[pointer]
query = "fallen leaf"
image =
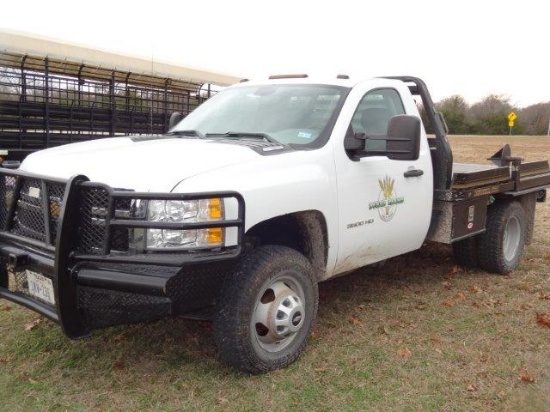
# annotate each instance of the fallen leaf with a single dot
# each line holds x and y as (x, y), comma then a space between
(449, 303)
(435, 340)
(6, 308)
(447, 284)
(119, 338)
(454, 270)
(404, 353)
(493, 303)
(220, 400)
(355, 321)
(383, 330)
(381, 339)
(526, 306)
(475, 289)
(547, 257)
(119, 364)
(472, 387)
(542, 319)
(31, 381)
(544, 295)
(526, 377)
(33, 324)
(420, 306)
(320, 370)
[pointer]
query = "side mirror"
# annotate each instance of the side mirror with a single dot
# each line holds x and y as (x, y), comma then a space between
(10, 164)
(403, 141)
(175, 118)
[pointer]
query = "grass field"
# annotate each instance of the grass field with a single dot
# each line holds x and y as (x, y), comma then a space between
(417, 334)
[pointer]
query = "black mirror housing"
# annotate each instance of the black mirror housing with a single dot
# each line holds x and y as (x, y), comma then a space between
(10, 164)
(354, 142)
(175, 118)
(403, 141)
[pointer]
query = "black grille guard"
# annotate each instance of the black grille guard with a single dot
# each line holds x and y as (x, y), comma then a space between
(59, 248)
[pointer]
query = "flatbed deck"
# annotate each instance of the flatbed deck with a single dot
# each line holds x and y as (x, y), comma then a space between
(470, 181)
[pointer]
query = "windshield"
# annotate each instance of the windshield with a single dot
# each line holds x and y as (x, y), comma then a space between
(289, 114)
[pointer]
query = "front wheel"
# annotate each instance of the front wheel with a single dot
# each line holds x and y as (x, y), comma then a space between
(501, 246)
(266, 310)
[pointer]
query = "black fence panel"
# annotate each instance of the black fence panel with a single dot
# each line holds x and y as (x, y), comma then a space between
(46, 103)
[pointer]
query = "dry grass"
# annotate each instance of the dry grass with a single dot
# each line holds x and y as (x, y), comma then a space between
(478, 148)
(417, 334)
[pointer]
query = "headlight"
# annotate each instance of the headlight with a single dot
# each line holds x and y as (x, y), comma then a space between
(185, 211)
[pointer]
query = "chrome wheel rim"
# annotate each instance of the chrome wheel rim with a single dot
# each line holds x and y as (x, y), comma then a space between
(279, 314)
(511, 239)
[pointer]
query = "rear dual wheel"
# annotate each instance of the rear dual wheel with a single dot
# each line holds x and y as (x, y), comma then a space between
(500, 247)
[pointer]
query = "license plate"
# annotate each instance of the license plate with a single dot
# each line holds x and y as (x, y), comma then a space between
(40, 287)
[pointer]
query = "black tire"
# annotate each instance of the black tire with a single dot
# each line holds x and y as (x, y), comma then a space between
(501, 246)
(465, 253)
(266, 310)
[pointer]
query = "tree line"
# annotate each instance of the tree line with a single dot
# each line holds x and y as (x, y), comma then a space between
(489, 116)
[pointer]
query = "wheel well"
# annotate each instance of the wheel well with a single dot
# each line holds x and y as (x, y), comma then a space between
(529, 203)
(305, 232)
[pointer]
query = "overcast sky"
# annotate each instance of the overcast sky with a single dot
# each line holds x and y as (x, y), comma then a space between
(471, 48)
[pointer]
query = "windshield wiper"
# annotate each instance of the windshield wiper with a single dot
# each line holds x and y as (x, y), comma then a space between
(194, 133)
(253, 135)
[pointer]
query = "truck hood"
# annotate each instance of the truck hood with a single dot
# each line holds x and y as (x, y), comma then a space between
(155, 165)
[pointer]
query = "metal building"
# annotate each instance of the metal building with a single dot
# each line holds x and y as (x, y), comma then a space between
(53, 93)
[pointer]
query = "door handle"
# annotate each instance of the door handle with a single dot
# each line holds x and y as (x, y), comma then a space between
(413, 173)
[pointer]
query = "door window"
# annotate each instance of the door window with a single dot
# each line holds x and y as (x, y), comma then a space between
(373, 115)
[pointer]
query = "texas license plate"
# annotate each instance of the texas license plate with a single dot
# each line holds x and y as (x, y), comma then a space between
(40, 287)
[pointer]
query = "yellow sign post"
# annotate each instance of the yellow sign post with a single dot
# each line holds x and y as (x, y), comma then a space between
(511, 120)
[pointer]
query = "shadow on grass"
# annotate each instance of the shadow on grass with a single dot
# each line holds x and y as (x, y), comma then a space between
(180, 344)
(417, 271)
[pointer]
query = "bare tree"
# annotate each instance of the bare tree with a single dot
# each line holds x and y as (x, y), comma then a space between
(454, 110)
(489, 115)
(534, 119)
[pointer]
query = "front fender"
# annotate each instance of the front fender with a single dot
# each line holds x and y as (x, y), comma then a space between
(279, 185)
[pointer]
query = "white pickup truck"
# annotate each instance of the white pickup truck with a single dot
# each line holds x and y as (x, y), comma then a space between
(246, 204)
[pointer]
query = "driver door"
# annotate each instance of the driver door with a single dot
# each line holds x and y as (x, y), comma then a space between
(383, 212)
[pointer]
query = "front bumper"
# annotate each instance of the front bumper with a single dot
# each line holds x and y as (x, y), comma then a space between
(96, 279)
